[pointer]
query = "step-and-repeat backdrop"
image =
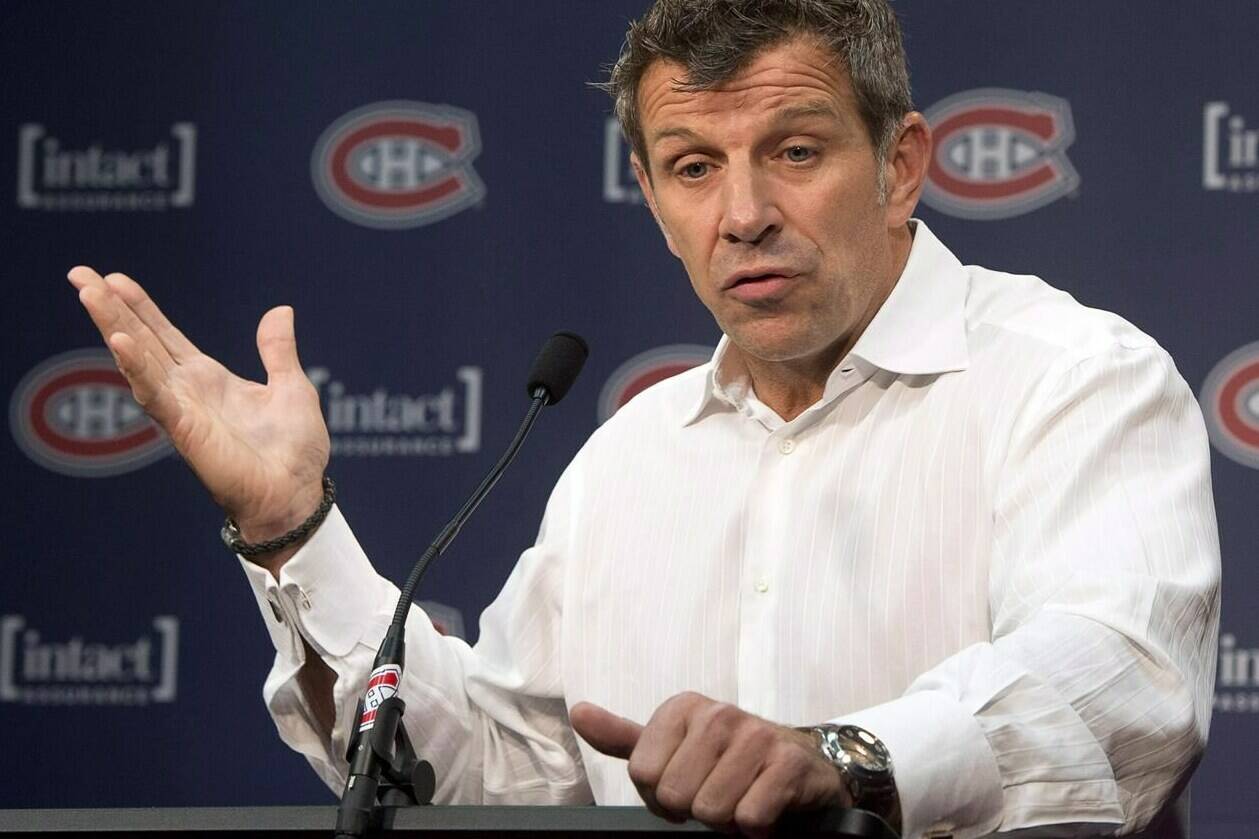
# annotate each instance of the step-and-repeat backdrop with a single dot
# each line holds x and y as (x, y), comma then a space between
(436, 188)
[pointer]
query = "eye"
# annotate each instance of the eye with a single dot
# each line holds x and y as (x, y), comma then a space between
(799, 154)
(695, 169)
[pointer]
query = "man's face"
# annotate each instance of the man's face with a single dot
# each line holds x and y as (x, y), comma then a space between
(767, 190)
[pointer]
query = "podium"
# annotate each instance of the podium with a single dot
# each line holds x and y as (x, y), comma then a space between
(457, 822)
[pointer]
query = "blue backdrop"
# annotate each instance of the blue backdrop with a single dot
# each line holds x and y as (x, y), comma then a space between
(435, 188)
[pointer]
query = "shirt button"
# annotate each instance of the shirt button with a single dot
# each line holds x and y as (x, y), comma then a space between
(302, 600)
(762, 586)
(787, 446)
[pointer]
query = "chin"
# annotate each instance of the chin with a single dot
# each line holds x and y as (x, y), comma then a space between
(765, 348)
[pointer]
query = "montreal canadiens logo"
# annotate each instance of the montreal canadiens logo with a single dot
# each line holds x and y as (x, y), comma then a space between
(399, 164)
(644, 370)
(1230, 404)
(74, 414)
(999, 153)
(382, 685)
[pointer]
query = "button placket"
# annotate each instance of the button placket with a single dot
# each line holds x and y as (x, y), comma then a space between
(758, 605)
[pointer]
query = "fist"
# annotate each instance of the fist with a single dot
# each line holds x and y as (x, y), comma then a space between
(708, 760)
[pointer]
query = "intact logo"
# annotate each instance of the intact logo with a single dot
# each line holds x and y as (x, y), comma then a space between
(74, 414)
(644, 370)
(382, 685)
(1237, 677)
(56, 175)
(78, 671)
(619, 184)
(1230, 405)
(382, 422)
(1230, 150)
(399, 164)
(999, 153)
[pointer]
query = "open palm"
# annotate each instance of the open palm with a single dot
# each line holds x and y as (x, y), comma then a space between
(259, 449)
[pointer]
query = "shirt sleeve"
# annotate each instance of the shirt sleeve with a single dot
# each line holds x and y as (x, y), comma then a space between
(491, 719)
(1093, 698)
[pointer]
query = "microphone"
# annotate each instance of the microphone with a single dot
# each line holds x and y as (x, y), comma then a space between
(381, 747)
(557, 365)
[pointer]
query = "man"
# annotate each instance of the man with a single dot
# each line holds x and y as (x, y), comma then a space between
(955, 524)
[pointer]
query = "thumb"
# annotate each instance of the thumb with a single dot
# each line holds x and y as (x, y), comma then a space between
(610, 734)
(277, 343)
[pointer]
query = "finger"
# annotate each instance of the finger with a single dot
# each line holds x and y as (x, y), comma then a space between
(138, 300)
(146, 378)
(83, 275)
(765, 800)
(608, 733)
(277, 343)
(111, 314)
(715, 801)
(707, 737)
(661, 737)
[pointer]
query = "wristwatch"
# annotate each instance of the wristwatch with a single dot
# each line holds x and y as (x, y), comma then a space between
(865, 767)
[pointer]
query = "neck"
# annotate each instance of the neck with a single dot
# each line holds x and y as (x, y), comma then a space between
(790, 386)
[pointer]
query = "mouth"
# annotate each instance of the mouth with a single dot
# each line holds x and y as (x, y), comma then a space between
(758, 285)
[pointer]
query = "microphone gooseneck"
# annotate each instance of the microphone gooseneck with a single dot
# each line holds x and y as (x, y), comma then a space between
(380, 745)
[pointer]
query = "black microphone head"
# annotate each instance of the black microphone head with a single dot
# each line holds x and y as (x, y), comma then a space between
(557, 365)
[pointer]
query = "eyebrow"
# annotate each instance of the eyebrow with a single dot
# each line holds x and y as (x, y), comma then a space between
(808, 109)
(784, 114)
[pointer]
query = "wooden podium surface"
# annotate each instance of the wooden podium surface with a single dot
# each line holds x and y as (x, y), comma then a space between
(454, 821)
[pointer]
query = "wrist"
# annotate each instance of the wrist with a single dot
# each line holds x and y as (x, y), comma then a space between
(274, 524)
(864, 766)
(265, 543)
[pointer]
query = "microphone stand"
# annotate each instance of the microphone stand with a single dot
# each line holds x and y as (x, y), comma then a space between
(385, 770)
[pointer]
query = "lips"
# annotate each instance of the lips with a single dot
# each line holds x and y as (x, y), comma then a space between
(759, 284)
(756, 275)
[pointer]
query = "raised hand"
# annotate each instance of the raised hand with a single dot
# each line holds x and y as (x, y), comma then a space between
(708, 760)
(259, 449)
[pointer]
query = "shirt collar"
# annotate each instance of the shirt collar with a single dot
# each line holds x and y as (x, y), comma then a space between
(919, 330)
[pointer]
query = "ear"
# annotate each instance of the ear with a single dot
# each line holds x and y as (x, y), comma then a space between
(644, 183)
(906, 168)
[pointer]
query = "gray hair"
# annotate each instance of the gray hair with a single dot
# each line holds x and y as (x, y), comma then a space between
(715, 39)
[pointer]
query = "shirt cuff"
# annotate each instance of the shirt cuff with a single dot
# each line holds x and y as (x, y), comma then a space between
(946, 775)
(328, 588)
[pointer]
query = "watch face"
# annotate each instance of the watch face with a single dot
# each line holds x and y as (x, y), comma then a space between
(864, 749)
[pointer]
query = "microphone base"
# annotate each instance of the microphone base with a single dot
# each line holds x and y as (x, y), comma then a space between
(392, 776)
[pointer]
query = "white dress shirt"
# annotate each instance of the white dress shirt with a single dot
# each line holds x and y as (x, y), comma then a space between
(991, 542)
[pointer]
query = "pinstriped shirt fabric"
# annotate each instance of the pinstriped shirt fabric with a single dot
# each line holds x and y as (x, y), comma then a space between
(991, 542)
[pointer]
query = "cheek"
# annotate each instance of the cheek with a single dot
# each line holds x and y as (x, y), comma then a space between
(691, 238)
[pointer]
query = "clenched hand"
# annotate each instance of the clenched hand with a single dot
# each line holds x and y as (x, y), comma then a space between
(708, 760)
(259, 449)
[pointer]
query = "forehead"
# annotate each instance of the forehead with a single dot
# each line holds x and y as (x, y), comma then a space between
(794, 73)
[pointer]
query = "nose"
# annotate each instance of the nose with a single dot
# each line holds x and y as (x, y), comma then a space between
(750, 214)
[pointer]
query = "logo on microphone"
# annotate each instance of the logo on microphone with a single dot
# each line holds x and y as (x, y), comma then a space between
(999, 153)
(1230, 405)
(74, 414)
(382, 685)
(644, 370)
(398, 165)
(37, 671)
